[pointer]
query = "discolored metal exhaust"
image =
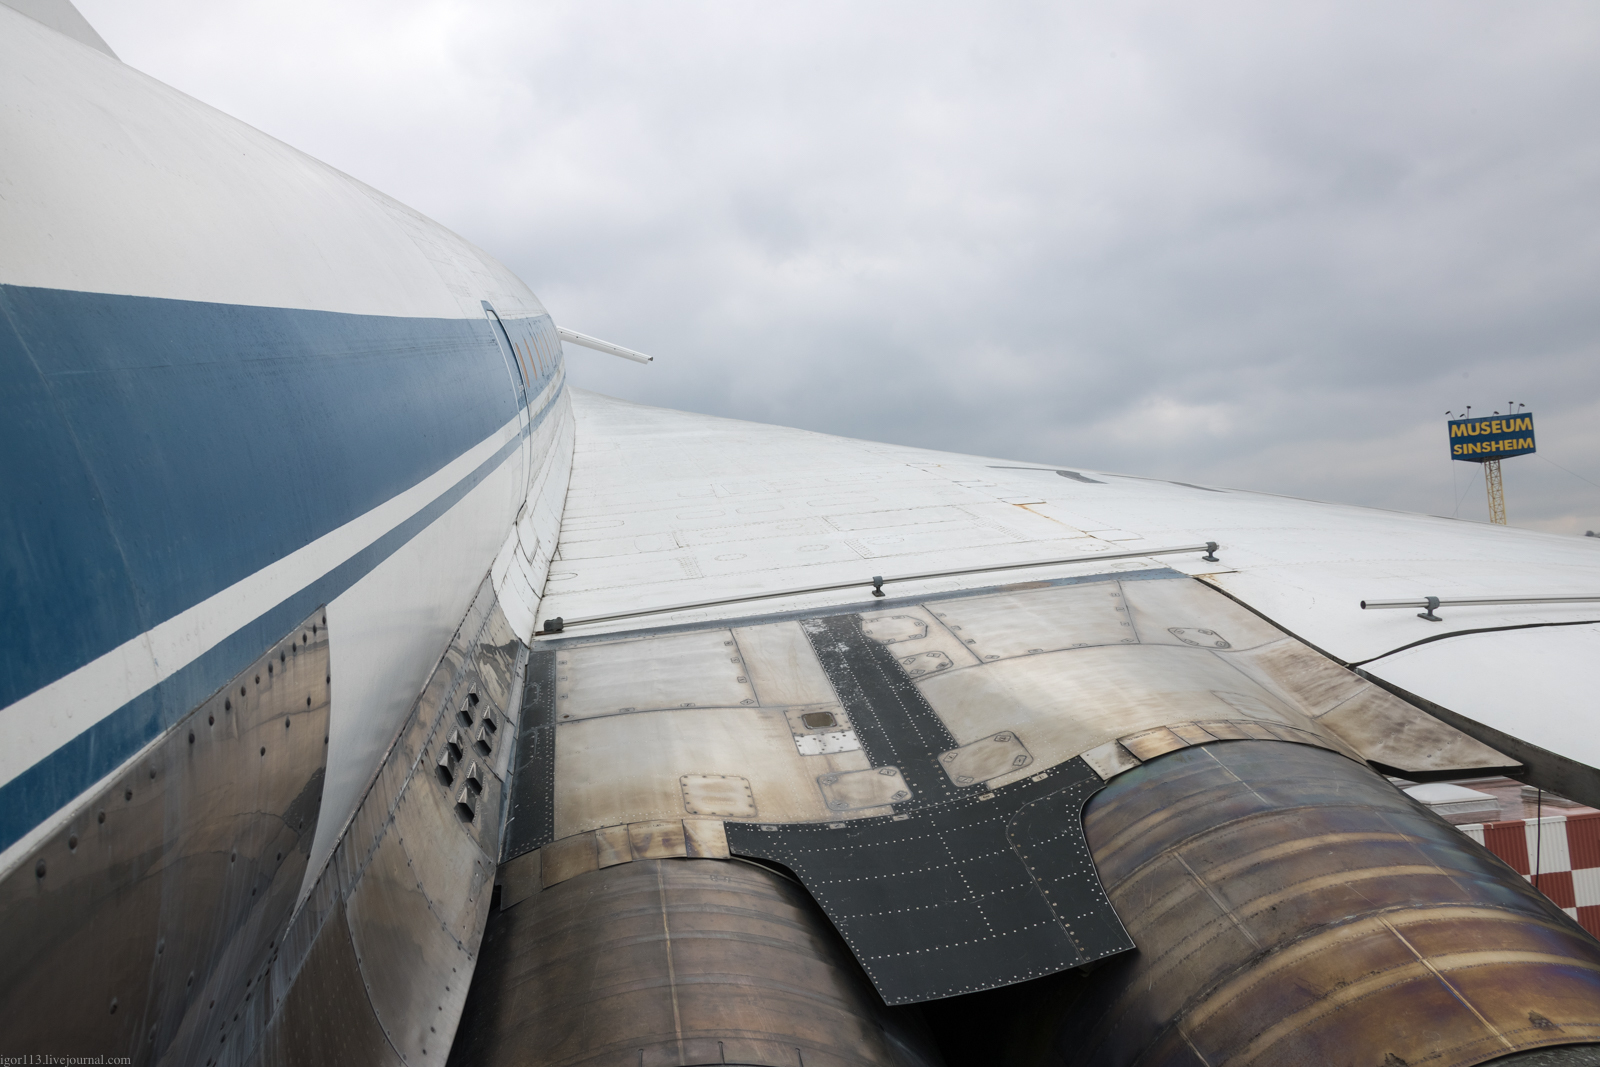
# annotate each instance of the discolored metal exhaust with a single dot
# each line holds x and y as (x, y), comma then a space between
(1292, 907)
(679, 961)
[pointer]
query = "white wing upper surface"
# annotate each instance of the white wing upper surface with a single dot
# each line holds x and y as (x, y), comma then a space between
(668, 509)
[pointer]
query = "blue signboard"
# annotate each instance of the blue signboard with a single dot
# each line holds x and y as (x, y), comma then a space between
(1495, 437)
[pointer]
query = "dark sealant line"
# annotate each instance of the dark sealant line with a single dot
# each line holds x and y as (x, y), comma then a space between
(1463, 633)
(1355, 665)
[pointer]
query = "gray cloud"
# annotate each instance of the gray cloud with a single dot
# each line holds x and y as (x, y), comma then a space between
(1246, 244)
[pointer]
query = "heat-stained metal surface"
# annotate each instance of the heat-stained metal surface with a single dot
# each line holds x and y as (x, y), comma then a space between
(944, 842)
(374, 964)
(152, 915)
(668, 962)
(1292, 907)
(813, 712)
(1125, 753)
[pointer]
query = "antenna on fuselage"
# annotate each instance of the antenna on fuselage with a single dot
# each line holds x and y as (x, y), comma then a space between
(573, 337)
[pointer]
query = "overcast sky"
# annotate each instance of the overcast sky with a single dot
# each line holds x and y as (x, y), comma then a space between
(1256, 245)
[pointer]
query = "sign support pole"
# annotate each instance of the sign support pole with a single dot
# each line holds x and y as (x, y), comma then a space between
(1497, 496)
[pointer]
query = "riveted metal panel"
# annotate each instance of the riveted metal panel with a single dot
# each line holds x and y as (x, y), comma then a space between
(717, 794)
(1038, 681)
(875, 787)
(999, 627)
(1380, 726)
(824, 744)
(630, 768)
(782, 669)
(809, 719)
(331, 992)
(928, 646)
(920, 663)
(892, 720)
(986, 758)
(497, 659)
(1110, 759)
(987, 890)
(147, 921)
(444, 857)
(676, 671)
(894, 629)
(531, 813)
(409, 863)
(413, 966)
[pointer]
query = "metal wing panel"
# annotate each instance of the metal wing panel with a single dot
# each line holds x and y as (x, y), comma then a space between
(673, 509)
(1537, 685)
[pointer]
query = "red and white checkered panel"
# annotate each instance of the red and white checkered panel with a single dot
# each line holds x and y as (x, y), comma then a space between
(1559, 854)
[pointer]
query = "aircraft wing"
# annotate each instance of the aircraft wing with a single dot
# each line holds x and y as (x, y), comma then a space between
(368, 695)
(667, 508)
(896, 675)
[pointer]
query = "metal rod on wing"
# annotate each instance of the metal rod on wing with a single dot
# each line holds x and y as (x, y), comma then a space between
(876, 583)
(573, 337)
(1430, 604)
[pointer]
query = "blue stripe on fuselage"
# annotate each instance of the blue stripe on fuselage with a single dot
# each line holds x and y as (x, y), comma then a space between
(158, 451)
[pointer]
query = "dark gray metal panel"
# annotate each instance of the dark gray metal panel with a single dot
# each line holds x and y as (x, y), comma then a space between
(531, 815)
(893, 722)
(151, 916)
(981, 891)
